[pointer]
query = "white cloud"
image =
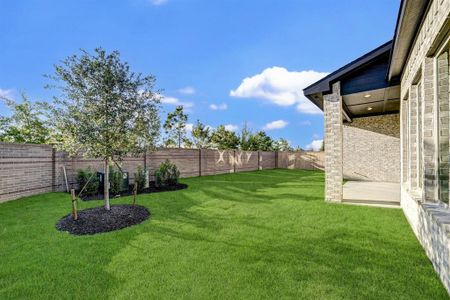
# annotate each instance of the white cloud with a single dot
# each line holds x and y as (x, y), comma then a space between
(6, 93)
(175, 101)
(315, 145)
(275, 125)
(189, 90)
(189, 127)
(231, 127)
(222, 106)
(158, 2)
(316, 136)
(306, 123)
(281, 87)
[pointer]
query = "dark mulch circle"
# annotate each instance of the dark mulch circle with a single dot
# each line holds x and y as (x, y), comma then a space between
(98, 219)
(151, 189)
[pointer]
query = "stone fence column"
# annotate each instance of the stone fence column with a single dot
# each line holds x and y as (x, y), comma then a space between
(332, 104)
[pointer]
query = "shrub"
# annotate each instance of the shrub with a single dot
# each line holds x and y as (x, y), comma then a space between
(167, 174)
(115, 180)
(139, 178)
(90, 186)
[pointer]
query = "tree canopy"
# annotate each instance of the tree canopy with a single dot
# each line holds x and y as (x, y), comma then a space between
(201, 135)
(27, 123)
(104, 109)
(224, 139)
(175, 126)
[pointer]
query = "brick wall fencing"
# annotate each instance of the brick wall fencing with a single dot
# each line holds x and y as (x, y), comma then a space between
(27, 169)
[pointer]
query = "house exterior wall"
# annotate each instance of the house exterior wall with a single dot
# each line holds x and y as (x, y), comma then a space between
(424, 125)
(371, 149)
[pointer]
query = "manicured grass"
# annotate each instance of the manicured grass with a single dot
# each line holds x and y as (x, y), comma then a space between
(265, 234)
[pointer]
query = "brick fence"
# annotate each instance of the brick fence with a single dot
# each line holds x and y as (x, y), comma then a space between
(27, 169)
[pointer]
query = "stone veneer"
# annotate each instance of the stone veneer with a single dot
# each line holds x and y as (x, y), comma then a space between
(332, 105)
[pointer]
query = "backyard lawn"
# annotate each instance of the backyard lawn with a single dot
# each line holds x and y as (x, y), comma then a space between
(265, 234)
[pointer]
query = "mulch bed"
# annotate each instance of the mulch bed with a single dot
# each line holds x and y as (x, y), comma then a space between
(151, 189)
(98, 219)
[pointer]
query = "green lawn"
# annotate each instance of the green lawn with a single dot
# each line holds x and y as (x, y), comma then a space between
(266, 234)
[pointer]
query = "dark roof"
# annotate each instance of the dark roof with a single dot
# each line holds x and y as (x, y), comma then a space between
(409, 19)
(323, 86)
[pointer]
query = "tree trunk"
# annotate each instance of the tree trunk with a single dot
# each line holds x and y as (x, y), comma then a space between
(106, 184)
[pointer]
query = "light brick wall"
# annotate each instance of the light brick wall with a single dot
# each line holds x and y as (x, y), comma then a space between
(332, 105)
(371, 149)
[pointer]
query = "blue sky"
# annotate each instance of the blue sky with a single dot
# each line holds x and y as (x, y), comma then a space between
(227, 61)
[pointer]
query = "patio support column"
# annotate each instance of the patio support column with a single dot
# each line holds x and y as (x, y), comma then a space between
(332, 105)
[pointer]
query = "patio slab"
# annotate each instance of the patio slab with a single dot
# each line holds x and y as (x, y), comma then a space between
(383, 194)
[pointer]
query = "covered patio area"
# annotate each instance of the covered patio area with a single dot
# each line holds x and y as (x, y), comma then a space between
(362, 131)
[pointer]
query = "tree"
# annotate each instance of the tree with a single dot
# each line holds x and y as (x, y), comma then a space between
(260, 141)
(104, 109)
(201, 135)
(245, 138)
(224, 139)
(282, 145)
(169, 143)
(175, 125)
(26, 124)
(187, 143)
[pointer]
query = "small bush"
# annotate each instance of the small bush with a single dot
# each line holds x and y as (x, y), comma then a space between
(167, 174)
(139, 178)
(82, 178)
(115, 180)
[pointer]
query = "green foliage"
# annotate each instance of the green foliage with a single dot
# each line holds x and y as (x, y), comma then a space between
(175, 126)
(167, 174)
(224, 139)
(169, 143)
(245, 138)
(26, 124)
(115, 180)
(282, 145)
(104, 108)
(139, 178)
(260, 141)
(88, 180)
(201, 135)
(187, 143)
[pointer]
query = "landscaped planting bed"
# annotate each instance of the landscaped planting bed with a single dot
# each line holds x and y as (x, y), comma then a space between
(151, 189)
(98, 219)
(256, 235)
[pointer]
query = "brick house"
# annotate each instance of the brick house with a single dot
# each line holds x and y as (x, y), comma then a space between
(387, 120)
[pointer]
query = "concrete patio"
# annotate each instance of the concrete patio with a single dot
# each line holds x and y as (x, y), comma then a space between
(382, 194)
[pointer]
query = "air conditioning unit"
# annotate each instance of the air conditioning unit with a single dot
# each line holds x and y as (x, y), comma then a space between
(125, 181)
